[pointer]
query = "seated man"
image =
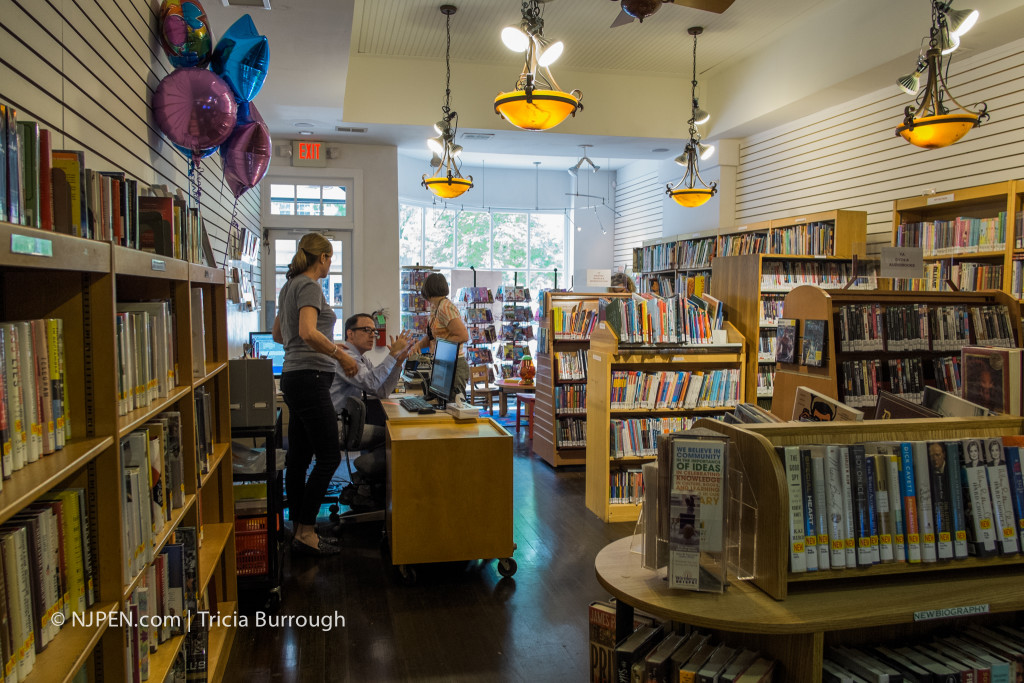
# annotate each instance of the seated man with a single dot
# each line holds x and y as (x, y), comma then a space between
(375, 380)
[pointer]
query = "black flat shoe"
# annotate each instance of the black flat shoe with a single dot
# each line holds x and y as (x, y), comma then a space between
(321, 549)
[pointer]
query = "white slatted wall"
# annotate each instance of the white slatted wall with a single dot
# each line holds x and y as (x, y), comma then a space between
(850, 158)
(638, 208)
(87, 70)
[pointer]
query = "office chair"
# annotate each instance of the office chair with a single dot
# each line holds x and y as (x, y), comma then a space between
(351, 423)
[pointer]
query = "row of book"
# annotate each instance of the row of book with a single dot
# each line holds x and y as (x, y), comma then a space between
(477, 316)
(576, 323)
(570, 432)
(771, 308)
(913, 501)
(765, 381)
(810, 239)
(786, 275)
(961, 235)
(862, 380)
(674, 389)
(474, 295)
(1017, 275)
(690, 253)
(146, 359)
(34, 415)
(739, 244)
(46, 567)
(479, 355)
(626, 487)
(662, 284)
(571, 365)
(516, 332)
(52, 189)
(513, 313)
(513, 351)
(970, 653)
(412, 278)
(506, 293)
(946, 276)
(638, 437)
(766, 344)
(690, 284)
(650, 319)
(571, 398)
(922, 327)
(415, 322)
(482, 334)
(653, 653)
(413, 302)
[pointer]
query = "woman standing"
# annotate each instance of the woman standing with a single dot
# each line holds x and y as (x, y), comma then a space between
(305, 326)
(445, 323)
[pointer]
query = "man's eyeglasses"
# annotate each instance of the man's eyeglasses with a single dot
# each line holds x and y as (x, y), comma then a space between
(367, 330)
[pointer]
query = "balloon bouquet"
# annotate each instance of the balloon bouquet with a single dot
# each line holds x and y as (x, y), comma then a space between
(202, 109)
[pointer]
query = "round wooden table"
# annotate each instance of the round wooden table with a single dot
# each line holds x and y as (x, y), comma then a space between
(510, 386)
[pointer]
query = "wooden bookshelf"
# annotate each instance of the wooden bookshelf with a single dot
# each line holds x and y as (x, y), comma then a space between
(545, 415)
(81, 281)
(981, 202)
(810, 302)
(607, 354)
(671, 259)
(756, 445)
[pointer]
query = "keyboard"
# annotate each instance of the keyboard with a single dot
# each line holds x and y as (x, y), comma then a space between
(415, 404)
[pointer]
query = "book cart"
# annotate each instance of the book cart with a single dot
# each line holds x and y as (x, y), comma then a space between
(80, 281)
(793, 617)
(563, 338)
(758, 264)
(834, 379)
(607, 354)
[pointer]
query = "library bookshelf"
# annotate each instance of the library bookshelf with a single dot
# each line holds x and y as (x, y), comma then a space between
(666, 264)
(792, 617)
(811, 302)
(607, 354)
(553, 390)
(970, 236)
(45, 275)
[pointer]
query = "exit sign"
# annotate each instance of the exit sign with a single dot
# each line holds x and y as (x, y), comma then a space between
(308, 153)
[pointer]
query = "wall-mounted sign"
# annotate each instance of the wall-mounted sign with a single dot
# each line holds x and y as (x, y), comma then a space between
(309, 154)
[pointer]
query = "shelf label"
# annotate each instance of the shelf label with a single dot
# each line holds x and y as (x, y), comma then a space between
(597, 357)
(158, 264)
(31, 246)
(742, 227)
(950, 612)
(599, 277)
(940, 199)
(902, 262)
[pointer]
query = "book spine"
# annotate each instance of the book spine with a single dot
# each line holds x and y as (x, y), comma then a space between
(15, 398)
(44, 388)
(976, 490)
(810, 515)
(849, 519)
(878, 467)
(999, 485)
(820, 508)
(942, 499)
(925, 509)
(873, 514)
(1016, 475)
(797, 552)
(956, 500)
(834, 502)
(859, 495)
(30, 402)
(909, 495)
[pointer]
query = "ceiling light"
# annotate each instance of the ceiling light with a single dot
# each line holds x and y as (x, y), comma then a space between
(687, 192)
(929, 123)
(699, 115)
(447, 182)
(911, 83)
(961, 21)
(584, 159)
(537, 103)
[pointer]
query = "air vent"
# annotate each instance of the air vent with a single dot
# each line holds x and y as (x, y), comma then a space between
(477, 136)
(349, 129)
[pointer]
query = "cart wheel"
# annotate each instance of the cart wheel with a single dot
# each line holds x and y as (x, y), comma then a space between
(273, 601)
(408, 574)
(507, 567)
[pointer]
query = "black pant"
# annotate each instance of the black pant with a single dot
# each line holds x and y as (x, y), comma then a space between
(312, 432)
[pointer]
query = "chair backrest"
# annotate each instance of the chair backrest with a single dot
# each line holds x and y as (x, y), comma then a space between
(478, 375)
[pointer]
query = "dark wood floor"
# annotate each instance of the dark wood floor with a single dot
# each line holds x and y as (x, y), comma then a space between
(459, 622)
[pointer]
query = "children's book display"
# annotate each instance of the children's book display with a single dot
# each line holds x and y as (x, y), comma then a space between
(516, 330)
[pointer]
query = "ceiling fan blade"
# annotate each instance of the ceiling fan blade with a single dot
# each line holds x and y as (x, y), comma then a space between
(622, 19)
(716, 6)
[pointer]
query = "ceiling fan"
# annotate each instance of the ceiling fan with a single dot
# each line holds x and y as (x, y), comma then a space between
(641, 9)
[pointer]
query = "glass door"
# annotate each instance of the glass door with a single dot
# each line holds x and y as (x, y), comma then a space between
(336, 285)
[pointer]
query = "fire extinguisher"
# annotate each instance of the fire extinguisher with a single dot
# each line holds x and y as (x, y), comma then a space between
(381, 321)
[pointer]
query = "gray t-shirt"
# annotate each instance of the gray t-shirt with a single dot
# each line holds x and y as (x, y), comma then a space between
(296, 294)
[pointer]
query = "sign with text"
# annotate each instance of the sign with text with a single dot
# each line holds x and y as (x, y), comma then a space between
(902, 262)
(309, 154)
(599, 278)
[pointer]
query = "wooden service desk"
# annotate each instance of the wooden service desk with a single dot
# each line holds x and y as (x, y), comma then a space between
(449, 488)
(794, 631)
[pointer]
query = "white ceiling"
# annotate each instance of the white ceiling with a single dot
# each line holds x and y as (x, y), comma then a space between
(637, 75)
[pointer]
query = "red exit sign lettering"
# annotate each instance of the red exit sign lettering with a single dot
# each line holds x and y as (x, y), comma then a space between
(308, 154)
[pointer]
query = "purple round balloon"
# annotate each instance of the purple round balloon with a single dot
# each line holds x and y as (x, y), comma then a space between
(246, 154)
(195, 108)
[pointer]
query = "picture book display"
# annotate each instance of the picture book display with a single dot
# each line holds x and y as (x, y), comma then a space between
(812, 352)
(785, 341)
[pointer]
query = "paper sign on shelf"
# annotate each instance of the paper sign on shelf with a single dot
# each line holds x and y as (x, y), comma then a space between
(902, 262)
(599, 278)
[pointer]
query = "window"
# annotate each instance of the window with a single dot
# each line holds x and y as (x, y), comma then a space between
(308, 200)
(283, 248)
(526, 244)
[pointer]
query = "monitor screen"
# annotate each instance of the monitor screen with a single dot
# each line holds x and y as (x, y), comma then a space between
(264, 346)
(442, 373)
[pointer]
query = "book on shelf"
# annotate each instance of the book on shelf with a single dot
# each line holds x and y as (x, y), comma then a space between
(634, 648)
(798, 555)
(813, 406)
(14, 180)
(28, 146)
(1004, 520)
(658, 662)
(602, 639)
(946, 404)
(891, 407)
(992, 378)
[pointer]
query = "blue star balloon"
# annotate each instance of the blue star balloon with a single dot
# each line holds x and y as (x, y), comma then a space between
(242, 58)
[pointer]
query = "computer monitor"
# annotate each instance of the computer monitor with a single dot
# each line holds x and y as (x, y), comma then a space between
(442, 373)
(264, 346)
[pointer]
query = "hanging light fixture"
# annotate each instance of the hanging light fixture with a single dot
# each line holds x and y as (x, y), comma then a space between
(447, 181)
(687, 192)
(929, 123)
(537, 103)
